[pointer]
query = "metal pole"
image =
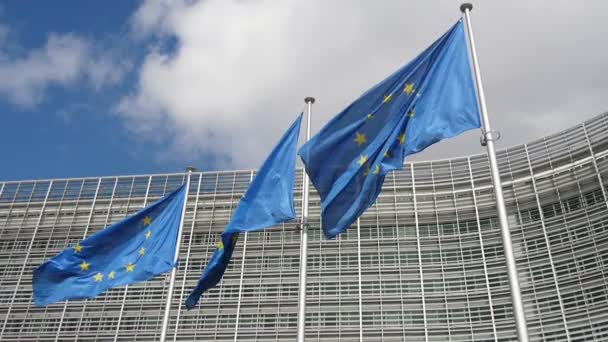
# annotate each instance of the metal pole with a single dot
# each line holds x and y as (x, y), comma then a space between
(419, 250)
(481, 245)
(165, 326)
(181, 294)
(488, 139)
(238, 303)
(359, 279)
(304, 235)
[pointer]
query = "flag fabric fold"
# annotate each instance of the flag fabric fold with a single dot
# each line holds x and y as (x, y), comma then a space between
(132, 250)
(267, 201)
(429, 99)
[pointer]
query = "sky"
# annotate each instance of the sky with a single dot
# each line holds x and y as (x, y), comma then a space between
(99, 88)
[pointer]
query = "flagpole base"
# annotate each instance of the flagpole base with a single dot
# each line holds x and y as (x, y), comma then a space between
(466, 6)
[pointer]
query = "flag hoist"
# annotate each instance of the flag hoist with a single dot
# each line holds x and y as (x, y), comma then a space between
(165, 326)
(304, 234)
(135, 249)
(267, 202)
(431, 98)
(487, 139)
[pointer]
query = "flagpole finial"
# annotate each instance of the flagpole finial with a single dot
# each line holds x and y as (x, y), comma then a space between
(466, 6)
(309, 100)
(190, 168)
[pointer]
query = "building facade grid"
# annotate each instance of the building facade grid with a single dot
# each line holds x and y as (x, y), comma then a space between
(425, 263)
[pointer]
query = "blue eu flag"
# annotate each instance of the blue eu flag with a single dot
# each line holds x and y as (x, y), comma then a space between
(135, 249)
(429, 99)
(268, 201)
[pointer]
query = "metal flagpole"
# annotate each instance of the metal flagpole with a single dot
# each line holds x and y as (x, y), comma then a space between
(181, 294)
(165, 326)
(488, 139)
(238, 303)
(304, 235)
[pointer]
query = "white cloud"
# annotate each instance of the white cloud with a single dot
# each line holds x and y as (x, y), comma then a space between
(151, 17)
(242, 68)
(64, 60)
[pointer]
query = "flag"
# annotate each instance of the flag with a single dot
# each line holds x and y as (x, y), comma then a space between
(135, 249)
(267, 201)
(429, 99)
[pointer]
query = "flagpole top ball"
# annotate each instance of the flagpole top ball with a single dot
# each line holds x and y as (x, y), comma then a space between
(190, 168)
(309, 100)
(466, 6)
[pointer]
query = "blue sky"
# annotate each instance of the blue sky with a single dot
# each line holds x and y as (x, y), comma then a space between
(72, 130)
(95, 88)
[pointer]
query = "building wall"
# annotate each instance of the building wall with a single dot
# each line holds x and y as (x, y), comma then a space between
(425, 263)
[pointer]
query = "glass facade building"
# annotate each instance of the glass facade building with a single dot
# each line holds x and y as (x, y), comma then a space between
(425, 263)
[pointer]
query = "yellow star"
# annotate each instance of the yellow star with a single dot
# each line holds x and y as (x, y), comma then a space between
(130, 267)
(220, 245)
(401, 139)
(409, 88)
(411, 113)
(387, 155)
(148, 233)
(142, 251)
(147, 220)
(111, 275)
(98, 277)
(84, 266)
(370, 116)
(77, 248)
(376, 170)
(362, 160)
(360, 139)
(387, 98)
